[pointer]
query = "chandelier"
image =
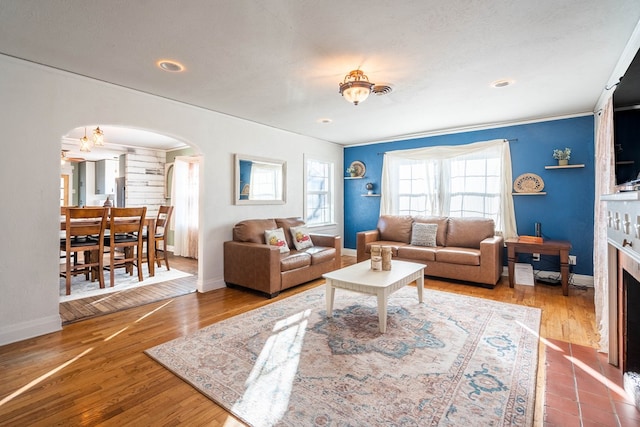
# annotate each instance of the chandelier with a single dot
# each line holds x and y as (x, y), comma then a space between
(96, 141)
(356, 87)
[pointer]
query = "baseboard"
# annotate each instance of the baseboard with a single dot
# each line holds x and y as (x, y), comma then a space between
(349, 252)
(210, 285)
(29, 329)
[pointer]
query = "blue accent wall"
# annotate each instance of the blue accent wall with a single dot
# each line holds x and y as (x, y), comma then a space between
(565, 212)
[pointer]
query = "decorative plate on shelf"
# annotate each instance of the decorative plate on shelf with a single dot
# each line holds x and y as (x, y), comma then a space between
(359, 167)
(528, 183)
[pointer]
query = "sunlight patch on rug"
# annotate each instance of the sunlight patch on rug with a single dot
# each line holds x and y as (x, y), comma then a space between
(81, 288)
(453, 360)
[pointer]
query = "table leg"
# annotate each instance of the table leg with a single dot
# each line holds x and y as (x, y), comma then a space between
(420, 285)
(511, 256)
(564, 271)
(330, 291)
(151, 247)
(382, 312)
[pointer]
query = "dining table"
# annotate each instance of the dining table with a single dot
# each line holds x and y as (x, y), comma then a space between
(150, 226)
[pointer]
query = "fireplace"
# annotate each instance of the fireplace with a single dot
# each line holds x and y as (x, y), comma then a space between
(623, 237)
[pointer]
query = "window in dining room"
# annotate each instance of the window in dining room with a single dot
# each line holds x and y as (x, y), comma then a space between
(64, 190)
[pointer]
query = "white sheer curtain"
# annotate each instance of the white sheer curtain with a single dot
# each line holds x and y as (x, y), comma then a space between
(433, 168)
(185, 196)
(604, 164)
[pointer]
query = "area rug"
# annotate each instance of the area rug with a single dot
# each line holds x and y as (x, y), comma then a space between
(82, 288)
(451, 361)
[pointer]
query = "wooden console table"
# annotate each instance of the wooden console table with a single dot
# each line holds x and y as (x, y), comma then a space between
(559, 248)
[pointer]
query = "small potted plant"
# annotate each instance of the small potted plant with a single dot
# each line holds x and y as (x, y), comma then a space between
(562, 156)
(352, 171)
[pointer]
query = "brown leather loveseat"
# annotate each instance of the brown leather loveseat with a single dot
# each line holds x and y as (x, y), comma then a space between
(250, 262)
(461, 249)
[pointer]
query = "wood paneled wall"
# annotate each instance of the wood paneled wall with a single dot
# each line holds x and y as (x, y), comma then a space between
(144, 174)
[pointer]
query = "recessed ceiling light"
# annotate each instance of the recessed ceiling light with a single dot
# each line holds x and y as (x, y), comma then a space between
(171, 66)
(502, 83)
(324, 120)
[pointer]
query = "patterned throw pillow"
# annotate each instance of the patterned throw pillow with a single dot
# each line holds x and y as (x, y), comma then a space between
(276, 238)
(424, 234)
(301, 237)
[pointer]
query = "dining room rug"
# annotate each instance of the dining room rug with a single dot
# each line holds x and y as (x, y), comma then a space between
(82, 288)
(450, 361)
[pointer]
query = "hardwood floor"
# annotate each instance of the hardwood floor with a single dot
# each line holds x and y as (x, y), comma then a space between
(95, 372)
(88, 307)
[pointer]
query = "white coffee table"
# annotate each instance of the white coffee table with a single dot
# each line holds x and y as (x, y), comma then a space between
(360, 278)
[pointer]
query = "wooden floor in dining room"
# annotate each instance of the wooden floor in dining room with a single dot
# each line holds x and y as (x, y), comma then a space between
(93, 306)
(95, 372)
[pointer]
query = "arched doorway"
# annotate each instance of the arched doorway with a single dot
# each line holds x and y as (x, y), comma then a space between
(137, 172)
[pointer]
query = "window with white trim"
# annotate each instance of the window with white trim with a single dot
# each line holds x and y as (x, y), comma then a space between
(319, 191)
(472, 180)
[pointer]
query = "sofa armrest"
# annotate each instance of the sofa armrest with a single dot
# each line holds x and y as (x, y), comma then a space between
(330, 241)
(491, 253)
(362, 239)
(254, 265)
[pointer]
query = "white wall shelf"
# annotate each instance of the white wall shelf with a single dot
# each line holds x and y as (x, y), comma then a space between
(564, 167)
(370, 195)
(540, 193)
(353, 177)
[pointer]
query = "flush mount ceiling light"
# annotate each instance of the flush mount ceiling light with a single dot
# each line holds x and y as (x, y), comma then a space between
(171, 66)
(356, 87)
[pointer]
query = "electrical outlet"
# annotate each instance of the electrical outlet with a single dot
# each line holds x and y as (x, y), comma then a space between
(536, 257)
(572, 260)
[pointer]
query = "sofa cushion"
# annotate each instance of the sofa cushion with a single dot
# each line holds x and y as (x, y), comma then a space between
(395, 228)
(286, 224)
(418, 253)
(301, 238)
(276, 238)
(424, 234)
(469, 232)
(441, 221)
(320, 254)
(293, 260)
(462, 256)
(252, 230)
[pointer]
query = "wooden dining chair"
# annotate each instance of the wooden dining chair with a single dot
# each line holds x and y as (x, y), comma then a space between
(162, 228)
(125, 237)
(84, 232)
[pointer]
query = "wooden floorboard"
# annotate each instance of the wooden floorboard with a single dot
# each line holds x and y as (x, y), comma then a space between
(95, 371)
(89, 307)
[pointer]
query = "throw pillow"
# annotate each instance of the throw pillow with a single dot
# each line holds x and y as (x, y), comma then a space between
(301, 237)
(424, 234)
(276, 238)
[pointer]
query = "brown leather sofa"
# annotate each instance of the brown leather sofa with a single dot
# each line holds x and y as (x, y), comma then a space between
(465, 249)
(250, 263)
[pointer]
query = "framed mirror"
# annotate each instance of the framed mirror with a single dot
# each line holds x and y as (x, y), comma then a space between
(259, 181)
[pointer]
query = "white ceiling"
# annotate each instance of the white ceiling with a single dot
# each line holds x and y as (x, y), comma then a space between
(117, 140)
(279, 62)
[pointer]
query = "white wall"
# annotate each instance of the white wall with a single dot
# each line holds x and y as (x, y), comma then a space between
(38, 105)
